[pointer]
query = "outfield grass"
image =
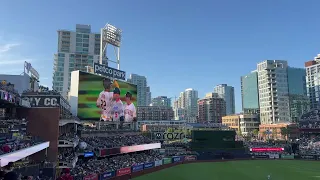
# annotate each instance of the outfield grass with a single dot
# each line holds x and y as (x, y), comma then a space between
(240, 170)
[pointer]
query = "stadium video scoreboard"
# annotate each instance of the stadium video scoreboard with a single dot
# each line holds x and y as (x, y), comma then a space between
(164, 136)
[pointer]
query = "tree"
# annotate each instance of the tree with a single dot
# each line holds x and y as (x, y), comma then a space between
(284, 131)
(255, 132)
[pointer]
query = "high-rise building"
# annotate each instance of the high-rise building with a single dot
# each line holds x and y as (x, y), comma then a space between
(227, 93)
(211, 108)
(161, 101)
(186, 106)
(250, 93)
(144, 94)
(298, 99)
(313, 81)
(273, 91)
(76, 50)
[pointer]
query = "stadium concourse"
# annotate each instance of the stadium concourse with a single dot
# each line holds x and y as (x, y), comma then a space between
(44, 142)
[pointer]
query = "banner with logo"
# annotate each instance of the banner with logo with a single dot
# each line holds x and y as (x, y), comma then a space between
(148, 165)
(158, 163)
(123, 171)
(260, 156)
(167, 160)
(107, 175)
(177, 159)
(287, 156)
(190, 158)
(137, 168)
(309, 157)
(91, 177)
(274, 156)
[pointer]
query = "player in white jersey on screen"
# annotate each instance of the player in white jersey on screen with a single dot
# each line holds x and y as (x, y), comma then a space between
(130, 114)
(105, 101)
(117, 110)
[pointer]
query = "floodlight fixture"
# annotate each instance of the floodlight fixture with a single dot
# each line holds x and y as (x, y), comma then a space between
(110, 35)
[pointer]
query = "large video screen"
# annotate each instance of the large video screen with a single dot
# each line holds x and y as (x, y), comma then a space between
(90, 91)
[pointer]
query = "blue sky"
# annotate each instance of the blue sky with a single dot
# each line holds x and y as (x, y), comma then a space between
(176, 44)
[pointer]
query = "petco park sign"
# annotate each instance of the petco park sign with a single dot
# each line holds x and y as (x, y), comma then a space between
(43, 101)
(109, 72)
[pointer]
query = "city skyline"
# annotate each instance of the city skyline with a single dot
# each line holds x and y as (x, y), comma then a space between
(252, 31)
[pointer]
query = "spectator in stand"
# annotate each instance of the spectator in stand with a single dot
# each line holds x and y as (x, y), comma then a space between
(8, 172)
(66, 175)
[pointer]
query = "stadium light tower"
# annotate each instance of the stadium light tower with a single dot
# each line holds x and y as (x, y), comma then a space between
(110, 35)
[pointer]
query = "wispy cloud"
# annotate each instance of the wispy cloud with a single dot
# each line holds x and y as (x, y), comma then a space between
(8, 47)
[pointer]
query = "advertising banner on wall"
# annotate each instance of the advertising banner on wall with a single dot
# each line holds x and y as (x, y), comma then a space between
(158, 163)
(107, 175)
(94, 101)
(274, 156)
(190, 158)
(287, 156)
(260, 156)
(123, 171)
(42, 100)
(137, 168)
(128, 149)
(167, 160)
(91, 177)
(148, 165)
(177, 159)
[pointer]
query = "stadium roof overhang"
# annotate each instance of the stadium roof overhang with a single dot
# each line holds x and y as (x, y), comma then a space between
(23, 153)
(63, 122)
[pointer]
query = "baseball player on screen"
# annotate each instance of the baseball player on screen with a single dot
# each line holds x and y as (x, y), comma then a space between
(105, 100)
(130, 114)
(117, 109)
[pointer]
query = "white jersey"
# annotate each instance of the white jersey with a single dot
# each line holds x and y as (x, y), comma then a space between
(129, 112)
(105, 101)
(117, 110)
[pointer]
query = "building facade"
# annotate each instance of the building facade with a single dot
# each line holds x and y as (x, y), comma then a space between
(144, 94)
(313, 81)
(298, 99)
(249, 123)
(76, 50)
(186, 106)
(250, 93)
(273, 91)
(161, 101)
(227, 93)
(211, 108)
(232, 121)
(154, 113)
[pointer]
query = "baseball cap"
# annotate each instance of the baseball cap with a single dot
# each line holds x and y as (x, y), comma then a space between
(116, 91)
(128, 94)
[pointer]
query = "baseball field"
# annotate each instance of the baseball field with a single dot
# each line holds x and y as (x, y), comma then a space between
(240, 170)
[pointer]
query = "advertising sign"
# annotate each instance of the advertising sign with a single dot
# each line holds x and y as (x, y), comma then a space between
(266, 149)
(128, 149)
(309, 157)
(287, 156)
(177, 159)
(261, 156)
(91, 177)
(90, 87)
(167, 160)
(158, 163)
(42, 101)
(190, 158)
(88, 154)
(137, 168)
(109, 72)
(148, 165)
(169, 135)
(274, 156)
(107, 175)
(123, 171)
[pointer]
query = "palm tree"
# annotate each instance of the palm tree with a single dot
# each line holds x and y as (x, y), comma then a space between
(255, 132)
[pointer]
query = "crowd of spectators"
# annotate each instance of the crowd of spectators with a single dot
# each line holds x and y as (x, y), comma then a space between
(66, 154)
(309, 144)
(309, 124)
(13, 136)
(113, 163)
(116, 140)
